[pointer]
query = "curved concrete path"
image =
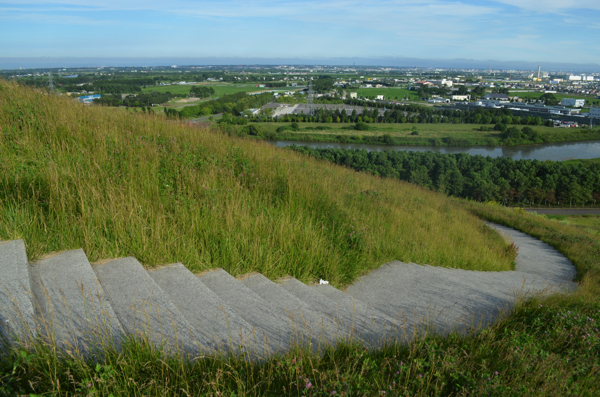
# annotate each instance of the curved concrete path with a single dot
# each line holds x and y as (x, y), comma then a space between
(78, 304)
(441, 299)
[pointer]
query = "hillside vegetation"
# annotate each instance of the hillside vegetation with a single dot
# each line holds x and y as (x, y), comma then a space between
(477, 177)
(116, 184)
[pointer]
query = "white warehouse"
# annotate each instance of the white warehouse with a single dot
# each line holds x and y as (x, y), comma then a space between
(572, 102)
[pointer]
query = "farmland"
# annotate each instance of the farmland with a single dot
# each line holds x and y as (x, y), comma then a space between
(220, 88)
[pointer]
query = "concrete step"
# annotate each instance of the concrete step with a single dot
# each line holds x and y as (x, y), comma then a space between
(16, 300)
(415, 294)
(355, 325)
(315, 327)
(444, 299)
(383, 326)
(70, 304)
(270, 326)
(208, 313)
(145, 310)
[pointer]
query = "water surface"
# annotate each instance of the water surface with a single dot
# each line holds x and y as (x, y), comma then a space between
(547, 151)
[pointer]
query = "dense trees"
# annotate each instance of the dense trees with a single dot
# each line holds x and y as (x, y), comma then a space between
(323, 84)
(233, 104)
(201, 91)
(477, 177)
(142, 99)
(549, 99)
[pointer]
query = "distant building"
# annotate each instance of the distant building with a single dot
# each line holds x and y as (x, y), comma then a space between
(447, 83)
(461, 97)
(573, 102)
(353, 95)
(575, 78)
(439, 100)
(497, 97)
(380, 97)
(594, 112)
(88, 99)
(561, 110)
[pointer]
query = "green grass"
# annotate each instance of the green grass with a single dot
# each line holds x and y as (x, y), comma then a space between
(220, 88)
(428, 134)
(589, 223)
(117, 184)
(390, 93)
(584, 161)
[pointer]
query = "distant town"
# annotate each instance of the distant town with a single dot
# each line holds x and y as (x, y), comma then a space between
(569, 99)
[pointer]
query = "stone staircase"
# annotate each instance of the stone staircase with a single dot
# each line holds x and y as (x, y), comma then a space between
(83, 306)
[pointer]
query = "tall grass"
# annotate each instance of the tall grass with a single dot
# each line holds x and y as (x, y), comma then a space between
(116, 184)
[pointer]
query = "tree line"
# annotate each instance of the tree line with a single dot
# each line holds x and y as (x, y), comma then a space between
(477, 177)
(143, 99)
(231, 103)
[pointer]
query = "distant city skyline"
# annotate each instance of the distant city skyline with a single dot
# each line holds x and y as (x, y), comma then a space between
(468, 32)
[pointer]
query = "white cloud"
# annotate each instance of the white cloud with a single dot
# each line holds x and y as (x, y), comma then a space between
(553, 6)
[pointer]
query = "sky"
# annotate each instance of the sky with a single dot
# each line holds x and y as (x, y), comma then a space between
(534, 31)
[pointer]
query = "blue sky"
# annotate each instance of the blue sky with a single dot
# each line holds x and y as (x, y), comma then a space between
(506, 30)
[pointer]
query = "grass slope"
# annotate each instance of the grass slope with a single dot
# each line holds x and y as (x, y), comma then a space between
(117, 184)
(83, 176)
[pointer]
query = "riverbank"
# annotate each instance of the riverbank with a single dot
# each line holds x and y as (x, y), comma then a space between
(411, 134)
(565, 151)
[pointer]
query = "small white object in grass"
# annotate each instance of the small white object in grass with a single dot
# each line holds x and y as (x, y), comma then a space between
(323, 282)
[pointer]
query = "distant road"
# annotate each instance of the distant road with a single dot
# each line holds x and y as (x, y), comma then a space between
(565, 211)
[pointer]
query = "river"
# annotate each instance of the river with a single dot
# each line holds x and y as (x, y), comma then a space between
(547, 151)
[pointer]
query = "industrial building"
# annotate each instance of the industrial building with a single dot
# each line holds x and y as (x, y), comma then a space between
(573, 102)
(559, 110)
(497, 97)
(594, 113)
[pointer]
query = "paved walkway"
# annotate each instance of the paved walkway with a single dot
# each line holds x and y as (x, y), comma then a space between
(83, 303)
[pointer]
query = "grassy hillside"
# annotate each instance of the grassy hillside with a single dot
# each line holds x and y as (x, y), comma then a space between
(116, 184)
(120, 184)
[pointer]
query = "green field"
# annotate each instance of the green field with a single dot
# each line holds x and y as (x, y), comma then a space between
(220, 88)
(588, 223)
(428, 134)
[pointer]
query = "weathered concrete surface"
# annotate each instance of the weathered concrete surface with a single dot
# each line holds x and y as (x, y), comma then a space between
(16, 300)
(370, 329)
(70, 303)
(270, 326)
(144, 309)
(310, 325)
(537, 257)
(220, 326)
(377, 327)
